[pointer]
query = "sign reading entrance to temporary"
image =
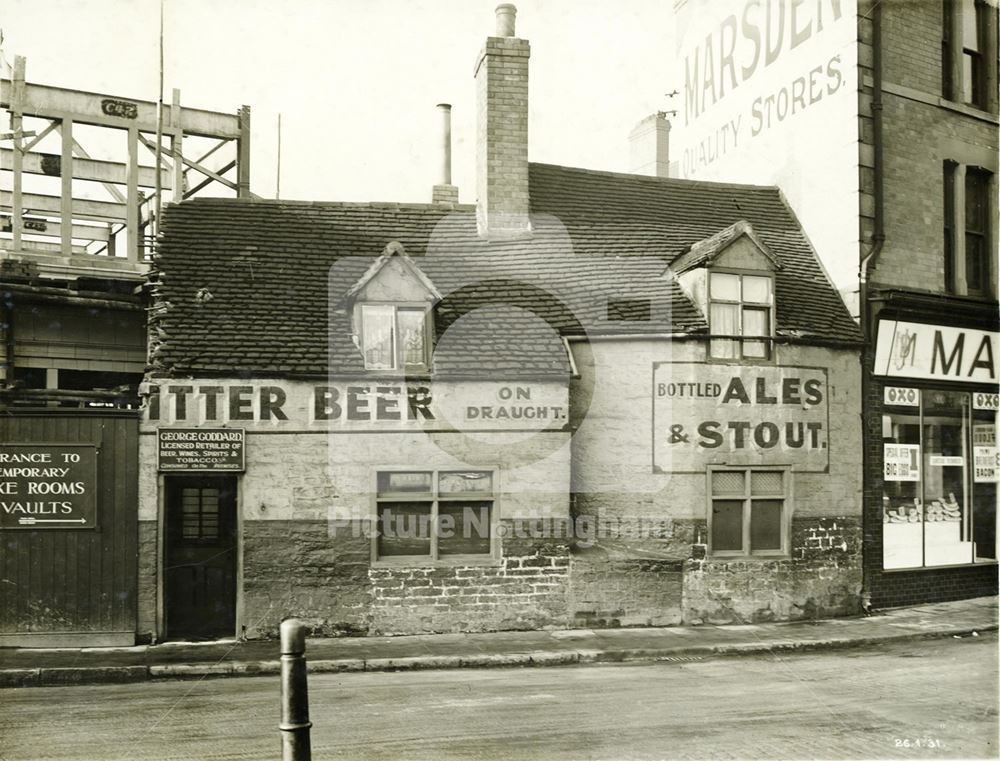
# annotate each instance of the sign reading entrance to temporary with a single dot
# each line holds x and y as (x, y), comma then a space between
(46, 486)
(201, 450)
(706, 414)
(937, 352)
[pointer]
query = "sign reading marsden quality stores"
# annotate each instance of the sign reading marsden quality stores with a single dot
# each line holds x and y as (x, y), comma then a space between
(46, 486)
(710, 414)
(201, 449)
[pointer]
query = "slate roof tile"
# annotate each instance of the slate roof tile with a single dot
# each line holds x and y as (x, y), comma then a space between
(276, 271)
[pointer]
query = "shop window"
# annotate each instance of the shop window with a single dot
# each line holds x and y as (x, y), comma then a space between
(748, 512)
(968, 250)
(940, 470)
(434, 515)
(740, 314)
(967, 61)
(394, 337)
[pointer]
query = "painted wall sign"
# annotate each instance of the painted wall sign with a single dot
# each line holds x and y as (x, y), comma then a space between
(901, 397)
(939, 352)
(201, 449)
(738, 416)
(48, 486)
(359, 405)
(901, 462)
(770, 96)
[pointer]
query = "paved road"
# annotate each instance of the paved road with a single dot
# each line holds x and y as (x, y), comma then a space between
(840, 704)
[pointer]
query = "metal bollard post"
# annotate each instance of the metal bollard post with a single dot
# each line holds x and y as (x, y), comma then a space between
(295, 722)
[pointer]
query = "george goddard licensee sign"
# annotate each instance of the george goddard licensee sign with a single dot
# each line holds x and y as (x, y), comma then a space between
(705, 414)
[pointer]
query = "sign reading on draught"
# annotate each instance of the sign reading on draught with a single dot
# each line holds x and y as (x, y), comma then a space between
(713, 414)
(44, 486)
(201, 449)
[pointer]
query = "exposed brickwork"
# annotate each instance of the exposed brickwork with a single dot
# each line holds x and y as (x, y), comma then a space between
(822, 578)
(502, 136)
(523, 591)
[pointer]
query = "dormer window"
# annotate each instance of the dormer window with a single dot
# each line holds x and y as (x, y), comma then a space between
(741, 306)
(394, 337)
(392, 313)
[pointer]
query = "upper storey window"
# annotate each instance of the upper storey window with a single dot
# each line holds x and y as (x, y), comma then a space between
(394, 337)
(741, 306)
(969, 53)
(730, 276)
(392, 314)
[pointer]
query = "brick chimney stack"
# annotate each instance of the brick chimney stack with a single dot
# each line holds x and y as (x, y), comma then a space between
(444, 191)
(502, 131)
(649, 146)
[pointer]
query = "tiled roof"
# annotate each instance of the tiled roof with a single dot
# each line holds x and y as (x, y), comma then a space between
(254, 287)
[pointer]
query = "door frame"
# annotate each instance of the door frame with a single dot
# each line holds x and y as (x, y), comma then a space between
(161, 554)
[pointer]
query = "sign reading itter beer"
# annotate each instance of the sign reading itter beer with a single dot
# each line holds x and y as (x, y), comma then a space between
(707, 414)
(201, 449)
(45, 486)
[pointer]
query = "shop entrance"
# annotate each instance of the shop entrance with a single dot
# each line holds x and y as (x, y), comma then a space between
(200, 553)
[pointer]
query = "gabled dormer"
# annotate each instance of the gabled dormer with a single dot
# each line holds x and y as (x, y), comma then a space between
(730, 277)
(391, 309)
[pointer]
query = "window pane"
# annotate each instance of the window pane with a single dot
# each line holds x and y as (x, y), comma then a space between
(404, 482)
(727, 525)
(902, 532)
(756, 322)
(726, 482)
(755, 349)
(756, 290)
(377, 341)
(464, 483)
(411, 336)
(766, 482)
(464, 528)
(725, 319)
(947, 527)
(976, 200)
(765, 524)
(984, 485)
(725, 286)
(970, 25)
(404, 528)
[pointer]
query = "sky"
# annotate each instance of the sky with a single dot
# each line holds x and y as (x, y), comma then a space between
(356, 82)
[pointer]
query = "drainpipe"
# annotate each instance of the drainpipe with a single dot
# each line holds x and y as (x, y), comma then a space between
(865, 268)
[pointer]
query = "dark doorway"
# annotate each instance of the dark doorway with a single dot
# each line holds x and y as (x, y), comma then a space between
(200, 573)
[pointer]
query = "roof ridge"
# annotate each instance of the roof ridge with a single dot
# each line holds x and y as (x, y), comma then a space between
(279, 202)
(653, 179)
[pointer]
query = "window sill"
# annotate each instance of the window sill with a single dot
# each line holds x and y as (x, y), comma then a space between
(752, 558)
(911, 569)
(451, 561)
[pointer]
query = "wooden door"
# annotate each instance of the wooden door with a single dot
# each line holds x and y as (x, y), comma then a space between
(200, 573)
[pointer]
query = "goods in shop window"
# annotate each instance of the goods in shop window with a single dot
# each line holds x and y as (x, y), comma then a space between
(903, 513)
(942, 509)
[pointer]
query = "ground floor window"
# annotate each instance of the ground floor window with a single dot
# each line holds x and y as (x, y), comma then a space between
(939, 502)
(433, 514)
(748, 511)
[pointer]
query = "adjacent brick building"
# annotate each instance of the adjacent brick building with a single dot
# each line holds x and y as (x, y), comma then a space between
(905, 220)
(591, 399)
